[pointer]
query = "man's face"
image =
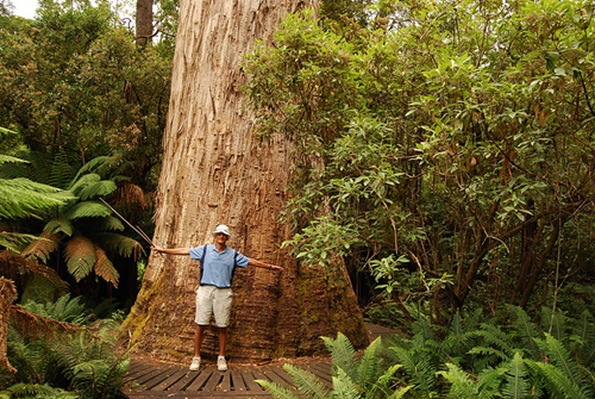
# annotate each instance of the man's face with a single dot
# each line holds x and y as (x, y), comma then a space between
(221, 238)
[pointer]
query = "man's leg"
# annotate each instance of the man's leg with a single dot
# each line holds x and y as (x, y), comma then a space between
(222, 340)
(198, 338)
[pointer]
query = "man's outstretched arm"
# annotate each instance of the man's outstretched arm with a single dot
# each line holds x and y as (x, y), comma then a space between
(172, 251)
(263, 265)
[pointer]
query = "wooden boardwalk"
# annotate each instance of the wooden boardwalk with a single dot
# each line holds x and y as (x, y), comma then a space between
(148, 380)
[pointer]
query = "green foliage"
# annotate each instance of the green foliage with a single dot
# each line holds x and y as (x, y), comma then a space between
(85, 362)
(67, 309)
(352, 377)
(456, 137)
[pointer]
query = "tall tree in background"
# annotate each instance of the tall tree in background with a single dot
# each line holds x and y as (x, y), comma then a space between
(144, 21)
(216, 171)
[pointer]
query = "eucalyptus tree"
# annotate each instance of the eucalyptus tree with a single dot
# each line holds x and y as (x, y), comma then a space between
(216, 171)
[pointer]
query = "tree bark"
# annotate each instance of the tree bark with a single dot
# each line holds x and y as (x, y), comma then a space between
(216, 171)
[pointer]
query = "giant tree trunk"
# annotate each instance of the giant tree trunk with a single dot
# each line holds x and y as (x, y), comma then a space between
(216, 171)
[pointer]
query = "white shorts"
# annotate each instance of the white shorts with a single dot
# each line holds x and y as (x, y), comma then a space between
(213, 301)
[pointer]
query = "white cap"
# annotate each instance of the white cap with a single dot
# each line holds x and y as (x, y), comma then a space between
(222, 229)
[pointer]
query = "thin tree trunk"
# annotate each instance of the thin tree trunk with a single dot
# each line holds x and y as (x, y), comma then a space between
(216, 171)
(144, 21)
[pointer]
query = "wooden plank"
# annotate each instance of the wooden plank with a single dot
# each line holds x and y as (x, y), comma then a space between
(237, 381)
(184, 382)
(153, 374)
(199, 381)
(271, 375)
(176, 375)
(214, 381)
(285, 377)
(249, 380)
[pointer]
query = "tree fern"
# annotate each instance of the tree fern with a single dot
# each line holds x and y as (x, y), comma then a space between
(104, 268)
(80, 257)
(42, 248)
(61, 171)
(88, 209)
(23, 198)
(90, 186)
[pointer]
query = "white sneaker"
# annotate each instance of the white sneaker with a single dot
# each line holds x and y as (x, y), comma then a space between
(221, 363)
(195, 365)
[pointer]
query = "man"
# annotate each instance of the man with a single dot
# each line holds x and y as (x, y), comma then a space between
(214, 295)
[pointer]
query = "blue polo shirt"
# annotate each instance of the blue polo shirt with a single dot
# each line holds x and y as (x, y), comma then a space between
(218, 266)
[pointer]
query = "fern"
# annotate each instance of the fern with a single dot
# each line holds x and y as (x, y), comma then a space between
(61, 171)
(36, 391)
(307, 383)
(80, 257)
(117, 243)
(88, 209)
(526, 330)
(277, 391)
(557, 381)
(23, 198)
(64, 309)
(342, 352)
(105, 269)
(42, 248)
(91, 186)
(344, 387)
(516, 385)
(462, 387)
(559, 357)
(59, 226)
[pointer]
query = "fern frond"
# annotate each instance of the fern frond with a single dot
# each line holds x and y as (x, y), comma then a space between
(419, 368)
(79, 253)
(461, 385)
(42, 248)
(496, 338)
(105, 269)
(400, 393)
(555, 323)
(97, 189)
(23, 198)
(344, 387)
(526, 329)
(110, 223)
(87, 209)
(8, 159)
(342, 352)
(56, 226)
(277, 391)
(381, 388)
(368, 368)
(489, 380)
(557, 380)
(90, 167)
(62, 171)
(15, 242)
(122, 245)
(517, 385)
(560, 357)
(307, 383)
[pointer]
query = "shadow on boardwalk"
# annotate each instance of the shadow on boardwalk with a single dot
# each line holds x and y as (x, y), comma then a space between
(149, 379)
